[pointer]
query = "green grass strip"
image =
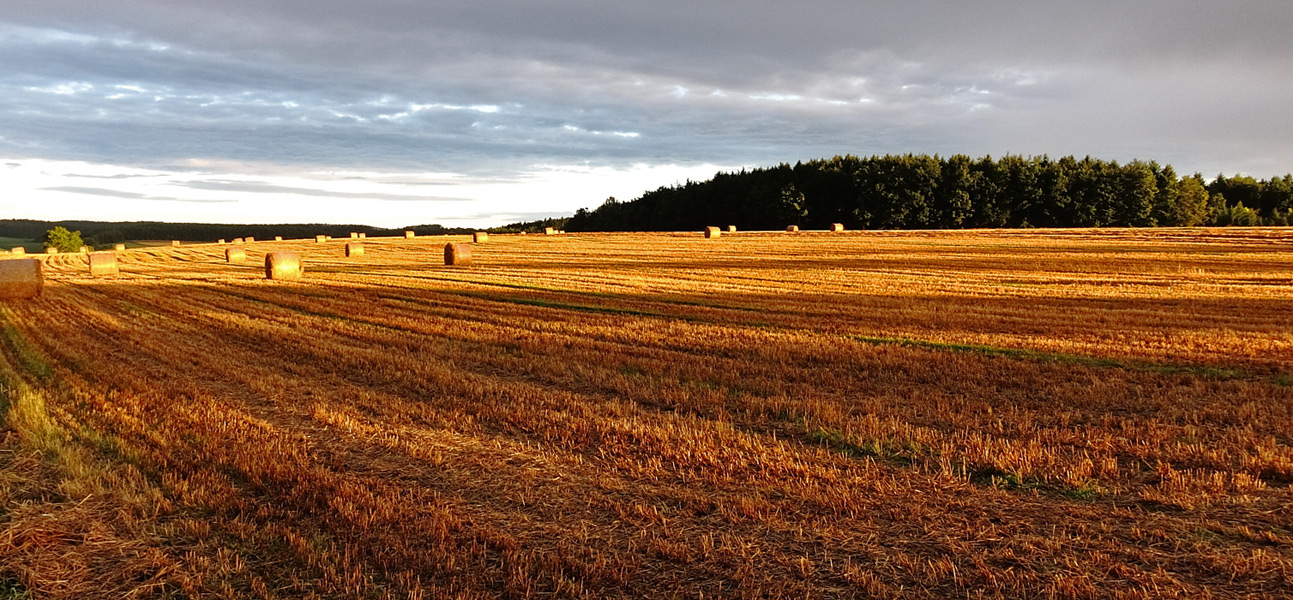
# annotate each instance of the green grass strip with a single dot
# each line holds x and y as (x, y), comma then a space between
(1206, 372)
(30, 360)
(557, 305)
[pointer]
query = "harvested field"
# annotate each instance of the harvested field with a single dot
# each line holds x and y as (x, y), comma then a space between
(1045, 413)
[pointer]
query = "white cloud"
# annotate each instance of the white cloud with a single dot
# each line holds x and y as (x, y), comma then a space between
(62, 89)
(224, 192)
(283, 91)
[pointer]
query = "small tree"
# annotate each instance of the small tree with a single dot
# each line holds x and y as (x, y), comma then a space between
(1281, 218)
(1190, 206)
(1239, 216)
(64, 240)
(792, 204)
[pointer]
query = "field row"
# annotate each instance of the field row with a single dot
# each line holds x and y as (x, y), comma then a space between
(1063, 414)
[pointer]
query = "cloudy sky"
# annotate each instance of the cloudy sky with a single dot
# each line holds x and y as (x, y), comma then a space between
(398, 112)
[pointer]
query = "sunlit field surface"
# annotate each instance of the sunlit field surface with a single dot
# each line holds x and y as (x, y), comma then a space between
(1053, 414)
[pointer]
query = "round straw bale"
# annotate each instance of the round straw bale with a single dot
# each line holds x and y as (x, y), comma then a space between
(234, 254)
(354, 235)
(278, 238)
(119, 248)
(480, 236)
(103, 263)
(237, 240)
(409, 234)
(731, 228)
(457, 255)
(549, 231)
(792, 229)
(363, 236)
(354, 249)
(712, 232)
(319, 239)
(249, 239)
(18, 251)
(285, 266)
(837, 227)
(21, 278)
(51, 250)
(220, 241)
(175, 242)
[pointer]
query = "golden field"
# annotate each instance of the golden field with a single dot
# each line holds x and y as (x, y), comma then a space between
(1039, 414)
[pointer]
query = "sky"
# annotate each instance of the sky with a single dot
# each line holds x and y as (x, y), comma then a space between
(478, 113)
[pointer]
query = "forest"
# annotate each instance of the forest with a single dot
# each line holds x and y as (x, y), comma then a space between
(955, 192)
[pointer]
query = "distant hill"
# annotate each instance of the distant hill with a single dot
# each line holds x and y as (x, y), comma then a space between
(955, 192)
(20, 232)
(100, 233)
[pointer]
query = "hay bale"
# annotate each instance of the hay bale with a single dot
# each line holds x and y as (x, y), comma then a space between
(712, 232)
(480, 236)
(103, 264)
(51, 250)
(549, 231)
(354, 249)
(319, 239)
(234, 255)
(731, 228)
(458, 255)
(283, 266)
(278, 238)
(237, 240)
(354, 235)
(249, 239)
(792, 229)
(119, 248)
(837, 227)
(363, 236)
(408, 235)
(21, 278)
(220, 241)
(175, 242)
(19, 251)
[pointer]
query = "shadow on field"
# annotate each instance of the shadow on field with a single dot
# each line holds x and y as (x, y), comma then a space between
(1000, 323)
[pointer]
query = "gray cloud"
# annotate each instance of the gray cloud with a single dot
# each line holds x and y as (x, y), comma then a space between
(491, 89)
(90, 191)
(265, 188)
(117, 176)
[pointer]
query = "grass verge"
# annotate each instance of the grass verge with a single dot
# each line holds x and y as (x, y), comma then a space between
(1204, 371)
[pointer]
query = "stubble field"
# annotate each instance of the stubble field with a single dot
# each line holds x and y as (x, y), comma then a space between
(1053, 414)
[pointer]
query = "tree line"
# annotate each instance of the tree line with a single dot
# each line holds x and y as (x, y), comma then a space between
(100, 234)
(536, 226)
(932, 192)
